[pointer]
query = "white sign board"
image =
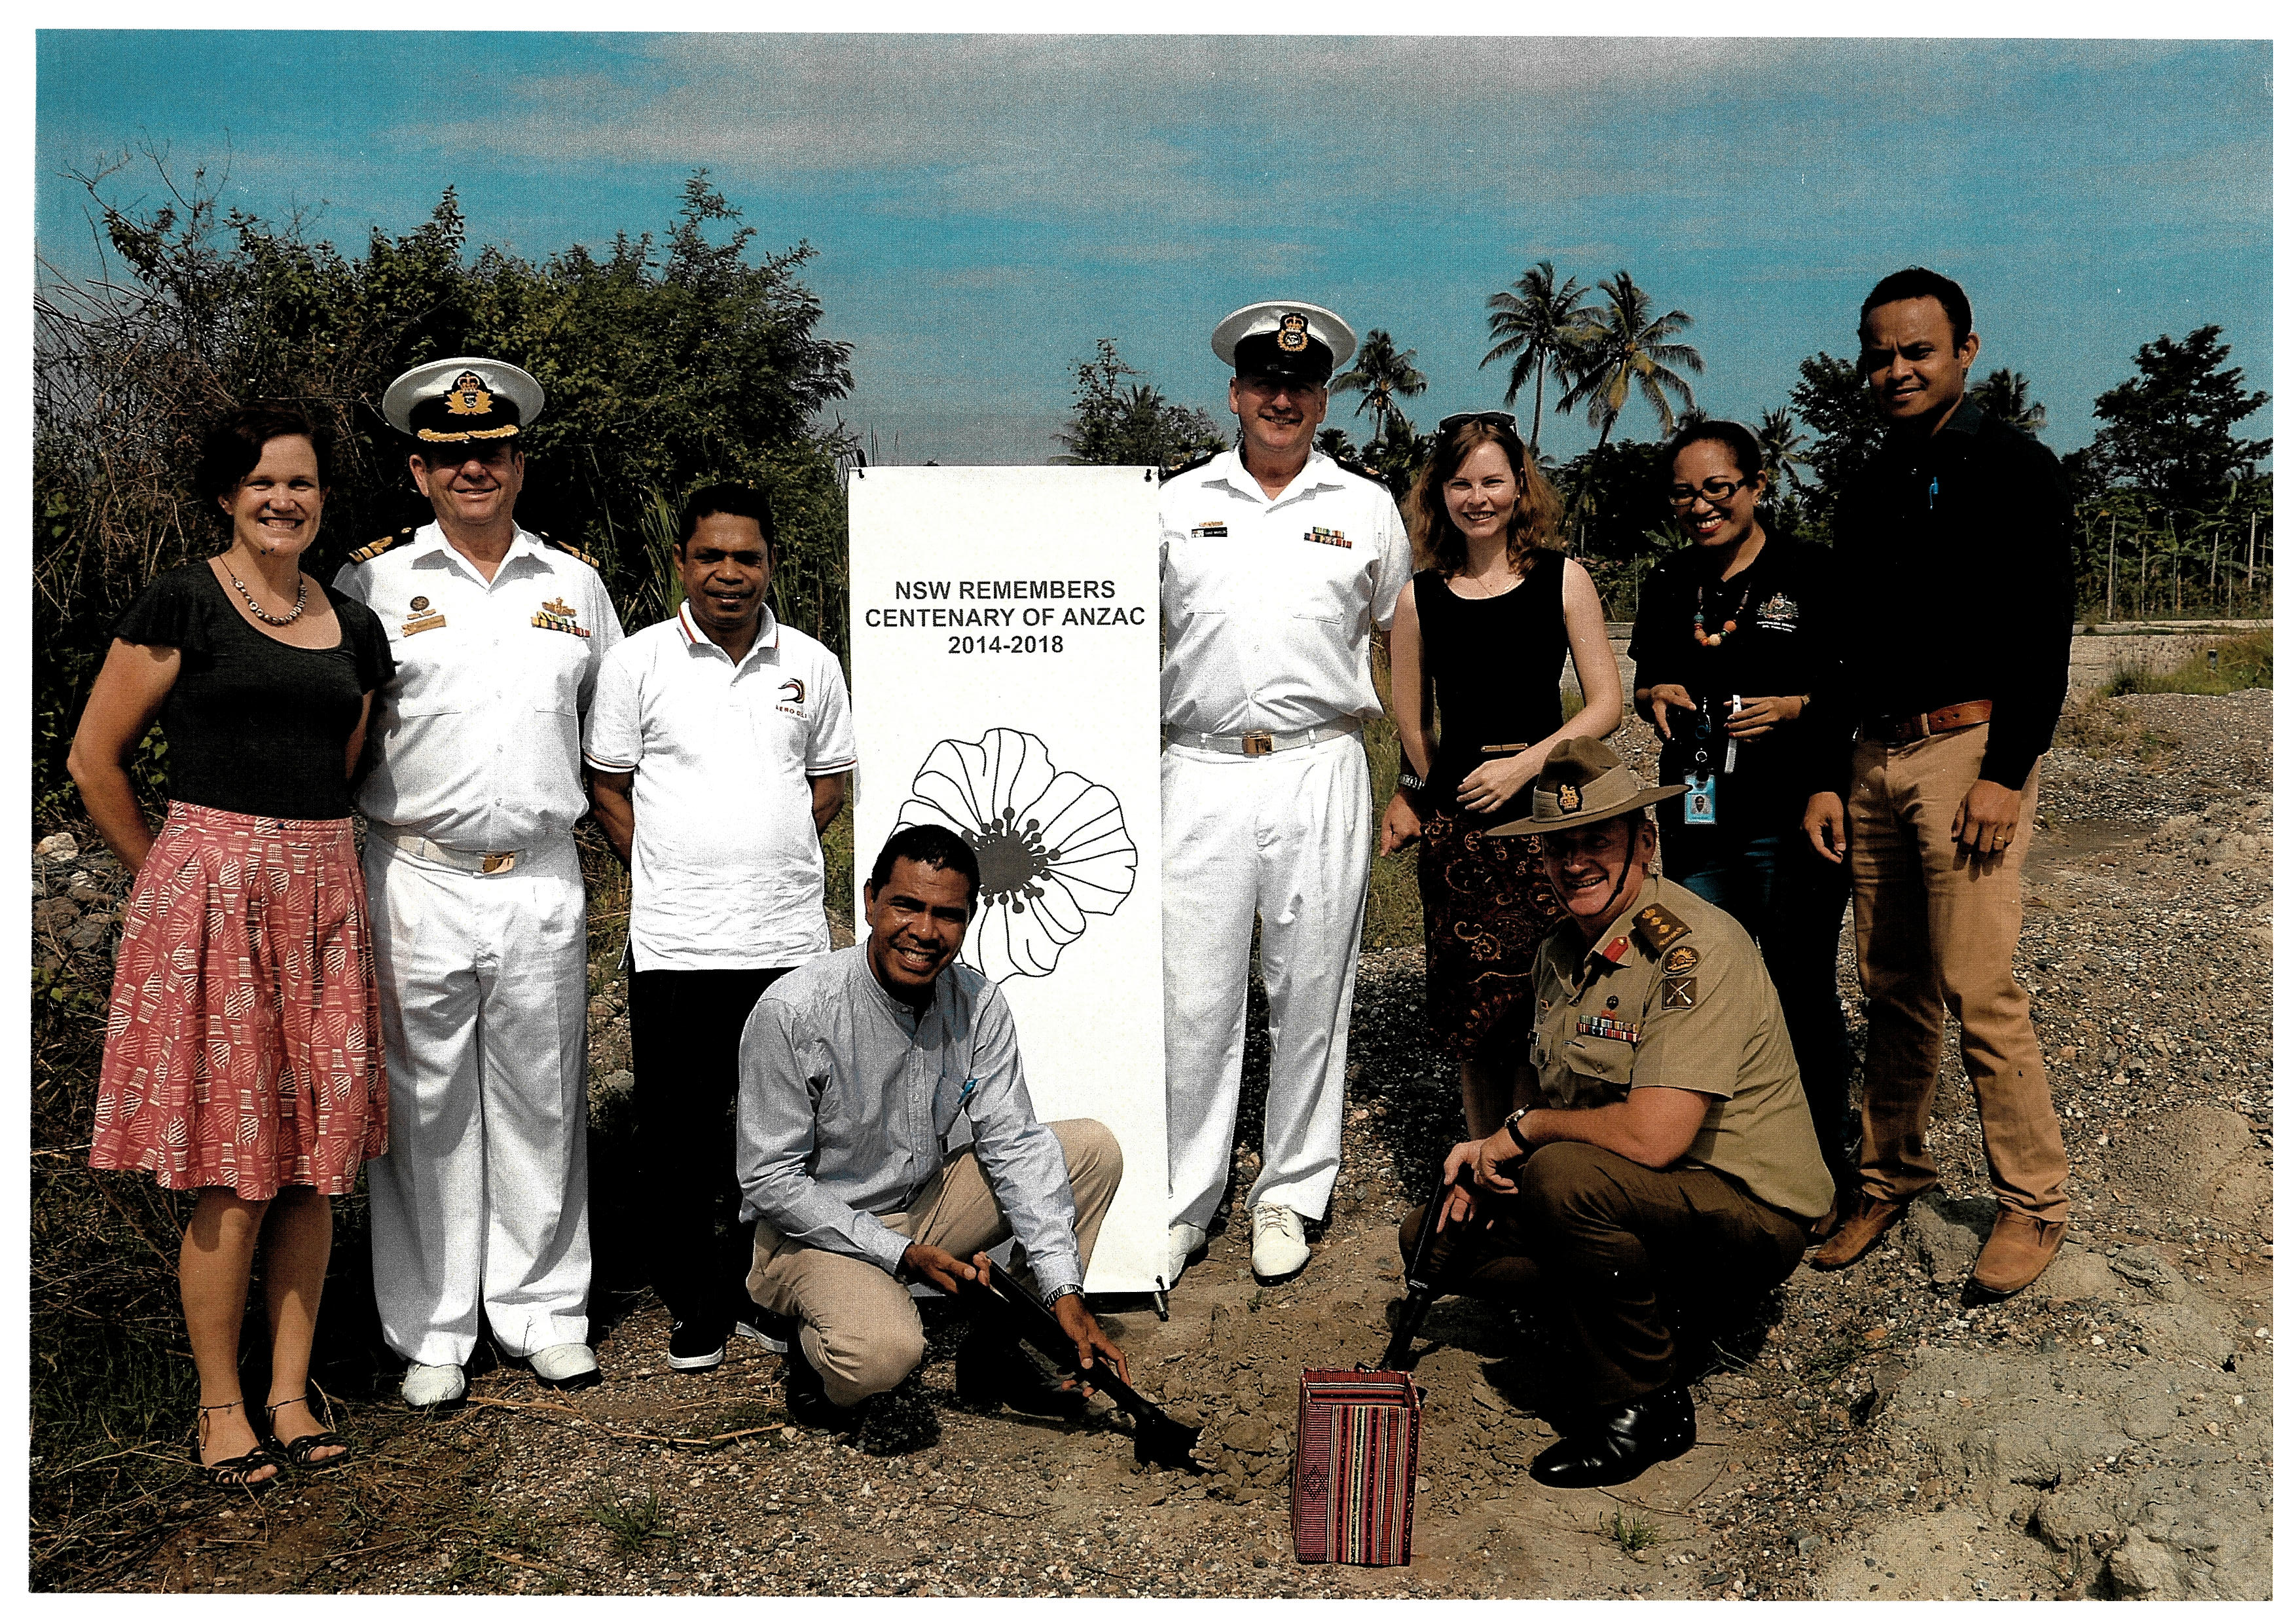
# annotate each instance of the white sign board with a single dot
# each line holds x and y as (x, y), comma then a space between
(1004, 684)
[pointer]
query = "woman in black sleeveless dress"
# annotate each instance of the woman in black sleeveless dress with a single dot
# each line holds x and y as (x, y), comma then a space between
(1479, 635)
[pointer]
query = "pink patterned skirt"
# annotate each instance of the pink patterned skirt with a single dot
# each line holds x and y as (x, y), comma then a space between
(244, 1046)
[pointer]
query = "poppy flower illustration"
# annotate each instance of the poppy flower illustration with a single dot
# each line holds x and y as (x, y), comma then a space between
(1052, 846)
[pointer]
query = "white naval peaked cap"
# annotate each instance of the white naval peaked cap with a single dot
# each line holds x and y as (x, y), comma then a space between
(1281, 336)
(462, 399)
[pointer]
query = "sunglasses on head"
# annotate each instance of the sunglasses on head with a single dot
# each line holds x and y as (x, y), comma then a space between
(1493, 420)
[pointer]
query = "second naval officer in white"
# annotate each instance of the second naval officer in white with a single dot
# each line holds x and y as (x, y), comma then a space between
(1277, 564)
(483, 1201)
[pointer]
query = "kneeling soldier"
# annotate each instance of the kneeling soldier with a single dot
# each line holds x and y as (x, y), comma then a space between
(858, 1070)
(1669, 1145)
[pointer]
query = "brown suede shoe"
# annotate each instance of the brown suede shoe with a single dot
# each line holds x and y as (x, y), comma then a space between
(1857, 1232)
(1845, 1202)
(2019, 1248)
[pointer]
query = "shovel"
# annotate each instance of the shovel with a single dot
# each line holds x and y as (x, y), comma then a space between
(1157, 1439)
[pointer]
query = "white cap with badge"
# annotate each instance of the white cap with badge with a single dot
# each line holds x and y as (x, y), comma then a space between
(1284, 339)
(461, 398)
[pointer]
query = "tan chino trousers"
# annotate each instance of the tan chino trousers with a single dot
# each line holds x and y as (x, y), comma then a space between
(858, 1325)
(1936, 931)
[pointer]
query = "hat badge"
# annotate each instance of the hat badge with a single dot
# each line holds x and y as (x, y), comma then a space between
(467, 395)
(1292, 332)
(1567, 797)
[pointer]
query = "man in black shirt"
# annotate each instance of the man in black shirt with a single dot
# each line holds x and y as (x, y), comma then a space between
(1956, 547)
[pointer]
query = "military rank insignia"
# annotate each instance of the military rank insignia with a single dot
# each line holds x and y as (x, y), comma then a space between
(1211, 528)
(1679, 992)
(1330, 538)
(1612, 1028)
(1658, 927)
(557, 616)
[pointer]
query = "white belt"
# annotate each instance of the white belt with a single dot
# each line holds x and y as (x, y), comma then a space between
(1261, 742)
(469, 862)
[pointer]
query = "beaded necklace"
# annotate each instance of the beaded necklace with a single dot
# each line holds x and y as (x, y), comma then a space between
(1698, 631)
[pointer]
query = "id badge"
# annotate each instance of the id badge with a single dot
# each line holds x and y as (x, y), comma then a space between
(1698, 806)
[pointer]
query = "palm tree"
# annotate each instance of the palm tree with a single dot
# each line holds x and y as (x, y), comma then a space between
(1538, 324)
(1783, 444)
(1385, 374)
(1627, 349)
(2008, 395)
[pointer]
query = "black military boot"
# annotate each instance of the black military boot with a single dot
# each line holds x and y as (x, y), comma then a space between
(901, 1422)
(807, 1400)
(1621, 1443)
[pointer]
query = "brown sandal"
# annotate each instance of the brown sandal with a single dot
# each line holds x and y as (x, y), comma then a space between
(235, 1473)
(299, 1450)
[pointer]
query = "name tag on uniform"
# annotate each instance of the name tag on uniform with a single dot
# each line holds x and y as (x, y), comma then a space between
(426, 623)
(1330, 538)
(1611, 1027)
(1213, 528)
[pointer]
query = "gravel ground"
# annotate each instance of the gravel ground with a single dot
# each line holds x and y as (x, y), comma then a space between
(2106, 1433)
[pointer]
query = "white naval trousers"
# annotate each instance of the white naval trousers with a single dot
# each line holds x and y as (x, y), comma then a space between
(484, 1196)
(1287, 838)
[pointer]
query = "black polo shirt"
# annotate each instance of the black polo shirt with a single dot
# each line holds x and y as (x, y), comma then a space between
(1956, 558)
(1789, 621)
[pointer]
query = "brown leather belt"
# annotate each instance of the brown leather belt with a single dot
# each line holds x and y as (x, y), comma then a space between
(1901, 729)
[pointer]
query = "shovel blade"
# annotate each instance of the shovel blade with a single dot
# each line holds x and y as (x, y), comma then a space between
(1158, 1441)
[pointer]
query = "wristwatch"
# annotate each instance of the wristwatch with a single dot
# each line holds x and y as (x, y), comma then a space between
(1059, 1292)
(1514, 1132)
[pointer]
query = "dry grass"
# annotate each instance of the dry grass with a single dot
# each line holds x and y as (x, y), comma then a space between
(2103, 729)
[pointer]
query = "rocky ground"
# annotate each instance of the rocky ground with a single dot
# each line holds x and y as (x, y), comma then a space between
(2106, 1434)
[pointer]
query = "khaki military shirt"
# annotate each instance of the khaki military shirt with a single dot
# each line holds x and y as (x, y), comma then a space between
(1675, 995)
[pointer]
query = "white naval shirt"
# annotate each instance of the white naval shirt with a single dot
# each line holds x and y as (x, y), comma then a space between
(725, 868)
(480, 732)
(1269, 605)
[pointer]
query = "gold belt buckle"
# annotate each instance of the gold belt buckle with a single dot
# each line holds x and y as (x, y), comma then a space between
(1260, 741)
(497, 862)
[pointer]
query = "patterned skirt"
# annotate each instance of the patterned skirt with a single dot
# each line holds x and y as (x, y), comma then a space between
(244, 1046)
(1486, 902)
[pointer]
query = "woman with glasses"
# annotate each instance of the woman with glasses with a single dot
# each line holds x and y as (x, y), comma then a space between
(1733, 633)
(1479, 634)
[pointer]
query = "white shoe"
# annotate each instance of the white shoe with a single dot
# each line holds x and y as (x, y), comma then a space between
(1185, 1241)
(426, 1385)
(566, 1365)
(1279, 1244)
(773, 1331)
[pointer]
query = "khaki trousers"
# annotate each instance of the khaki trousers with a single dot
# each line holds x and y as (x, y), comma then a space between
(1936, 931)
(859, 1326)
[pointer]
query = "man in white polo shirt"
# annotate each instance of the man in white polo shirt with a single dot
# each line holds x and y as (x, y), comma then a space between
(719, 744)
(482, 1204)
(1277, 564)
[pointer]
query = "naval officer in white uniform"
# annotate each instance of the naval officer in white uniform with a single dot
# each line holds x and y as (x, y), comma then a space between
(483, 1200)
(1277, 564)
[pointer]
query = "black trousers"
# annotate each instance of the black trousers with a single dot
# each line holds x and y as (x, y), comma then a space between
(685, 1038)
(1594, 1242)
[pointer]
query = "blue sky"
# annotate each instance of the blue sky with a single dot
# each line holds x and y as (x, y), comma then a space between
(985, 207)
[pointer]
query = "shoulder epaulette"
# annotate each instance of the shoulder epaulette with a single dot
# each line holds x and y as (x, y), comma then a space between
(1359, 471)
(566, 548)
(376, 549)
(1656, 927)
(1175, 469)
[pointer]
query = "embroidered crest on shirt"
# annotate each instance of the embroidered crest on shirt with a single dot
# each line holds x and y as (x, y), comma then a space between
(1682, 961)
(793, 690)
(1679, 992)
(1778, 613)
(557, 616)
(1330, 538)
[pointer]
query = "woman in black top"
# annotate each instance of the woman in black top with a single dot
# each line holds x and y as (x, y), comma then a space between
(1733, 633)
(1479, 634)
(243, 1054)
